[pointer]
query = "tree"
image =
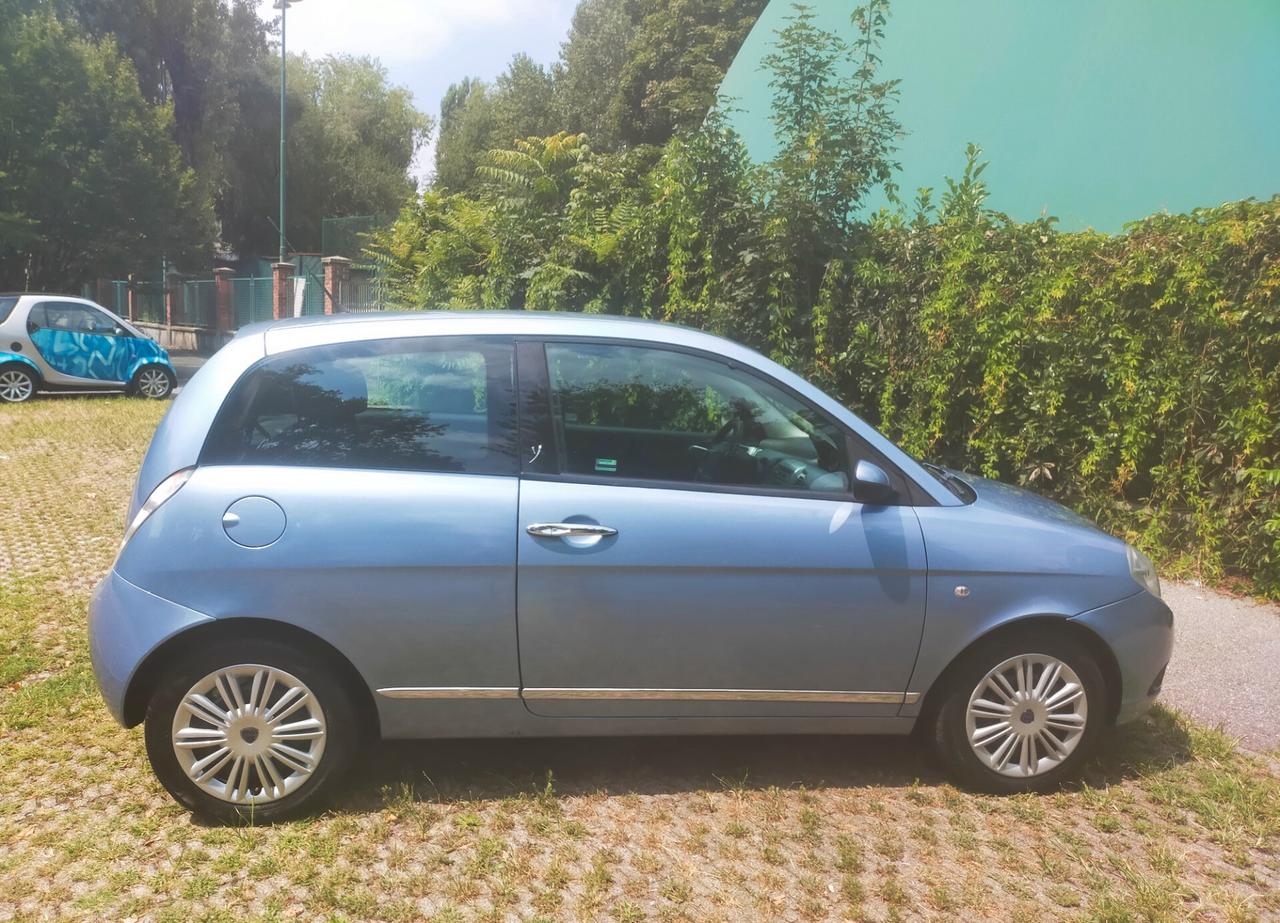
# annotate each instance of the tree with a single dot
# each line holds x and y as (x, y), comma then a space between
(466, 125)
(94, 179)
(352, 138)
(675, 63)
(591, 62)
(199, 56)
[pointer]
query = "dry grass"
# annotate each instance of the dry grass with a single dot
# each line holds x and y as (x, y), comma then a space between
(1173, 824)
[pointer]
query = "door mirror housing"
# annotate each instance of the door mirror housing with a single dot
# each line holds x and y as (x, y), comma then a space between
(119, 331)
(870, 483)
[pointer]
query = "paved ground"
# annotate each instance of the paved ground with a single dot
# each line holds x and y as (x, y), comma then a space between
(186, 364)
(1226, 663)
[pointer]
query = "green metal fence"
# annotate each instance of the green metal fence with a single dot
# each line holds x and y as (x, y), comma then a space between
(149, 302)
(363, 291)
(198, 306)
(310, 270)
(251, 299)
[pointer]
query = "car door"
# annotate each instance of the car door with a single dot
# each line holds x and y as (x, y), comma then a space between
(689, 546)
(365, 492)
(78, 341)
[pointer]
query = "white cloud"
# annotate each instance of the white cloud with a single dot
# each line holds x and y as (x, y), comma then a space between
(403, 31)
(428, 44)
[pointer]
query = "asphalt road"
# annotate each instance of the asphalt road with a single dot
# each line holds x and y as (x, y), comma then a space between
(1226, 663)
(186, 364)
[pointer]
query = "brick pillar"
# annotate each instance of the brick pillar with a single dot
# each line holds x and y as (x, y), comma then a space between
(133, 298)
(337, 273)
(282, 290)
(225, 316)
(173, 307)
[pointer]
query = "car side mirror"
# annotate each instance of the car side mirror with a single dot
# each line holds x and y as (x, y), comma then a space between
(119, 331)
(870, 483)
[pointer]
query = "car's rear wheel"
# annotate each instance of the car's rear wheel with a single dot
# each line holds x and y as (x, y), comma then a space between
(153, 381)
(252, 731)
(17, 384)
(1021, 713)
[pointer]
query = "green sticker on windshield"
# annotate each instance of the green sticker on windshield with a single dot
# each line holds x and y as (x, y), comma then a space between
(607, 465)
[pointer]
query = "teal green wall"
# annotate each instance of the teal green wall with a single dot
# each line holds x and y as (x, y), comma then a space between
(1096, 111)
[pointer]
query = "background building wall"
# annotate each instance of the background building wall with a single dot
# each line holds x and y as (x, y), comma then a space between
(1097, 111)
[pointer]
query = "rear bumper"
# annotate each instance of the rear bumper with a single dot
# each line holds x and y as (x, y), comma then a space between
(1139, 631)
(126, 623)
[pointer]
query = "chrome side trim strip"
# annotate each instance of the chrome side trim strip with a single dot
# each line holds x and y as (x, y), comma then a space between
(450, 692)
(911, 698)
(721, 695)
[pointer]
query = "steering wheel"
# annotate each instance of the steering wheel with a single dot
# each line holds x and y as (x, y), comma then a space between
(729, 434)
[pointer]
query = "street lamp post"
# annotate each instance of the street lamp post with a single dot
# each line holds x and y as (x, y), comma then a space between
(283, 7)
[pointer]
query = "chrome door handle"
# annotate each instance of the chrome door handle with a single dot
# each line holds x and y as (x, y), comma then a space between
(569, 530)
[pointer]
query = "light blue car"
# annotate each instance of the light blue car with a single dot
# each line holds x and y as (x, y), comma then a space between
(486, 525)
(61, 343)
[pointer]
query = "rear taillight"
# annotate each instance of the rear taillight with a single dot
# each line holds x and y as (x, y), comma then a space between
(166, 489)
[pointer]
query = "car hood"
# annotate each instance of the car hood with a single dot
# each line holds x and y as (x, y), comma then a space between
(1020, 502)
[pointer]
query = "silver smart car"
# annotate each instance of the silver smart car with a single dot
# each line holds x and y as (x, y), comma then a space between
(58, 342)
(461, 525)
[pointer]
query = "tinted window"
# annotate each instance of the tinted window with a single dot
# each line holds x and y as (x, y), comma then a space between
(654, 414)
(67, 315)
(428, 404)
(6, 306)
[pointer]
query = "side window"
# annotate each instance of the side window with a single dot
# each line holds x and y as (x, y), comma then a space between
(423, 404)
(6, 306)
(659, 415)
(72, 317)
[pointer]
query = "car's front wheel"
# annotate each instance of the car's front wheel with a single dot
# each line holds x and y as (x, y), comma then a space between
(253, 731)
(17, 384)
(1021, 713)
(153, 381)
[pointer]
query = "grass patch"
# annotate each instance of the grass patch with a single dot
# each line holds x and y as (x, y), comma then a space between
(1171, 823)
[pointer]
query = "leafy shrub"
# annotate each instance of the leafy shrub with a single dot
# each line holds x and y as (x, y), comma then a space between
(1136, 377)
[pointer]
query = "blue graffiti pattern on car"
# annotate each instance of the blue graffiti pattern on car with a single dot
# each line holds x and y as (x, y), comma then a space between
(85, 355)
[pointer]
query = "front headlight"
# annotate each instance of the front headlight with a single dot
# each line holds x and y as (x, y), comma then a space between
(1143, 571)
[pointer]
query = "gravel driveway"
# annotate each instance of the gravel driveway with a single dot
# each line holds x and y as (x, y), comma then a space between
(1226, 663)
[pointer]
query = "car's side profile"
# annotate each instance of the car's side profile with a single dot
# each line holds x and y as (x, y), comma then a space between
(61, 343)
(468, 524)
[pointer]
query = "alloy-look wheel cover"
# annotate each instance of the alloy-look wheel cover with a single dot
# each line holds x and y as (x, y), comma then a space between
(1027, 715)
(153, 383)
(15, 387)
(249, 734)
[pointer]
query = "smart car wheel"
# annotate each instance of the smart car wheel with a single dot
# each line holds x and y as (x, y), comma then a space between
(1021, 714)
(254, 731)
(153, 381)
(17, 384)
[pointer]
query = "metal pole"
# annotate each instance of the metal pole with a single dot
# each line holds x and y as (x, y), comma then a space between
(284, 10)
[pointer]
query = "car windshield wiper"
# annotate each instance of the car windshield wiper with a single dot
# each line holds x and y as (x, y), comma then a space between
(952, 483)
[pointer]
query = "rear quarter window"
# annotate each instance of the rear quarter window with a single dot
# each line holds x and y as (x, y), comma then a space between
(444, 404)
(6, 306)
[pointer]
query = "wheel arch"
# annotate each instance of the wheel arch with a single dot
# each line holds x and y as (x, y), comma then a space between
(141, 363)
(8, 358)
(144, 680)
(1065, 627)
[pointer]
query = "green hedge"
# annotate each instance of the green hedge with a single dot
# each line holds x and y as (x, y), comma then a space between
(1135, 377)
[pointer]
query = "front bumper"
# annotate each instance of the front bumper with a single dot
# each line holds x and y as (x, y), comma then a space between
(126, 623)
(1139, 631)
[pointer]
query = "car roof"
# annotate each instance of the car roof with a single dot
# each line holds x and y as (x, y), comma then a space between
(298, 332)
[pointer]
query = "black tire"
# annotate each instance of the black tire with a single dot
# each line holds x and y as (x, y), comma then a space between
(9, 375)
(340, 741)
(948, 720)
(135, 387)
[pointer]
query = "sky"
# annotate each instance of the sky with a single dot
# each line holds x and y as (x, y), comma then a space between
(428, 44)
